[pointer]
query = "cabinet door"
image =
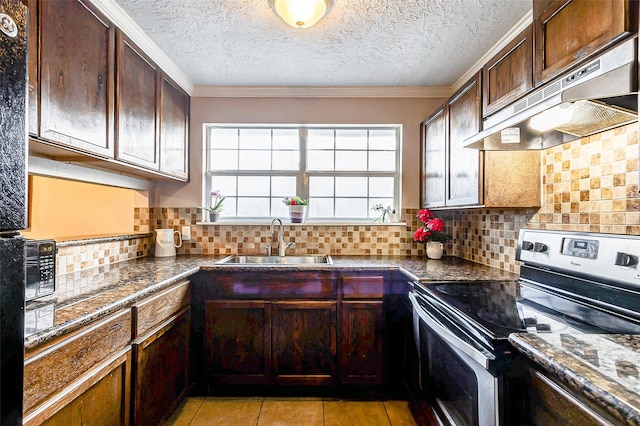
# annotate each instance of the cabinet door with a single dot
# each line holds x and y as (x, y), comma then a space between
(304, 342)
(509, 74)
(136, 100)
(162, 370)
(568, 31)
(361, 343)
(76, 68)
(32, 67)
(100, 397)
(464, 172)
(174, 130)
(434, 164)
(237, 341)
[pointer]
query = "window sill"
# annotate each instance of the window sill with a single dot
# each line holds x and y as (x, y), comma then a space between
(262, 222)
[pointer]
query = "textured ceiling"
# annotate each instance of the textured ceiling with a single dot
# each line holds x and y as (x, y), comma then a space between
(360, 42)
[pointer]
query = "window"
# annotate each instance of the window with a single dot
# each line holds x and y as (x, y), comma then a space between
(343, 170)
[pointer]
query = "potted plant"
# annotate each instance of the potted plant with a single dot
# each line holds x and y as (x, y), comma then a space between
(297, 208)
(216, 205)
(431, 233)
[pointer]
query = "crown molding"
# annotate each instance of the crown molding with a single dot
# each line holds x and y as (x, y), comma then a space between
(520, 26)
(123, 21)
(321, 92)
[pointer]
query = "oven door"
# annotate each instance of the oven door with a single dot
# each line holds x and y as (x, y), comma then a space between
(453, 371)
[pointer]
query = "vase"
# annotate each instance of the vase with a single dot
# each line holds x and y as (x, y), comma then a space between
(214, 216)
(297, 213)
(434, 250)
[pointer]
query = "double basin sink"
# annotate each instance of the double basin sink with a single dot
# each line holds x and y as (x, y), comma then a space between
(238, 259)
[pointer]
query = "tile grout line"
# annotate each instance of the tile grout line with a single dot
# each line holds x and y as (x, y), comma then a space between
(260, 412)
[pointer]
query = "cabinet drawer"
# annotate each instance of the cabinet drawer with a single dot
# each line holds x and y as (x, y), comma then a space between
(363, 287)
(53, 367)
(152, 311)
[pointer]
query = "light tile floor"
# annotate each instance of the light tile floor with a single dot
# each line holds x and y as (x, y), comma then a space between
(195, 411)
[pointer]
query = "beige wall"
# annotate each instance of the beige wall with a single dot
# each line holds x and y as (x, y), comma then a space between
(62, 209)
(408, 112)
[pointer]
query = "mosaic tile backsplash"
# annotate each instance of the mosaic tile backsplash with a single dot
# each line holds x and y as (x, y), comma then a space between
(75, 256)
(587, 185)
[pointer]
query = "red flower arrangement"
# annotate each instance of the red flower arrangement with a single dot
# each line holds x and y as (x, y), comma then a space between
(431, 229)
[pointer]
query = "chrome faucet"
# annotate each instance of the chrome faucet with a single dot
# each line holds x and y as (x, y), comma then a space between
(281, 246)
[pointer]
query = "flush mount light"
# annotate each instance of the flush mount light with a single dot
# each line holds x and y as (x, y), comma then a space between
(301, 13)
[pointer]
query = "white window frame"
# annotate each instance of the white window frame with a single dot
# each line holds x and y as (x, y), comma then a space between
(302, 174)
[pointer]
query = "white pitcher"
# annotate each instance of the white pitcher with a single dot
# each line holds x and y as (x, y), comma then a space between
(165, 244)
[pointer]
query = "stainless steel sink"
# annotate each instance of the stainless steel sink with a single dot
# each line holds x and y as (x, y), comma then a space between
(275, 260)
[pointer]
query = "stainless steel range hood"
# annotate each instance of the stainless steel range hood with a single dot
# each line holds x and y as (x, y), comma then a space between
(595, 97)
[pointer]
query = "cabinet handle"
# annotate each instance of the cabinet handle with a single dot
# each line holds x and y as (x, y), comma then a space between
(100, 84)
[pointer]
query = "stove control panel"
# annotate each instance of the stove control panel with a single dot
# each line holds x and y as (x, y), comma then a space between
(609, 256)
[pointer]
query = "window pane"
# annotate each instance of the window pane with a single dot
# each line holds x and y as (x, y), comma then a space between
(351, 207)
(383, 161)
(321, 207)
(255, 160)
(286, 160)
(320, 139)
(386, 202)
(320, 186)
(351, 187)
(283, 186)
(278, 208)
(286, 139)
(225, 184)
(351, 139)
(320, 160)
(255, 138)
(224, 160)
(253, 185)
(382, 139)
(381, 187)
(229, 209)
(351, 160)
(225, 138)
(253, 207)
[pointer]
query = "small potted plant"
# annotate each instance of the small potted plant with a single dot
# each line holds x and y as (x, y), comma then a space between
(431, 233)
(216, 205)
(385, 212)
(297, 208)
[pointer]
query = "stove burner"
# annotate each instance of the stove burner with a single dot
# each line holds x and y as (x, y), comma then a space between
(501, 319)
(463, 290)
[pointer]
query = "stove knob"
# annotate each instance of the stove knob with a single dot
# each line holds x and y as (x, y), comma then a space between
(624, 259)
(539, 247)
(527, 245)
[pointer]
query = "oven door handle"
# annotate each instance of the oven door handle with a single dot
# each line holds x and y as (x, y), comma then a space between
(481, 356)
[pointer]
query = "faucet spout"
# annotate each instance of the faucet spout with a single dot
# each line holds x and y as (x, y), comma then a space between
(281, 246)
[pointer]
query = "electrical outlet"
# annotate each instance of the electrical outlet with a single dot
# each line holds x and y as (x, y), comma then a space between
(186, 233)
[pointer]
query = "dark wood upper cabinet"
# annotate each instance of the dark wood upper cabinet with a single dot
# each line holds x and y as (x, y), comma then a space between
(137, 95)
(174, 130)
(509, 74)
(77, 76)
(464, 172)
(568, 31)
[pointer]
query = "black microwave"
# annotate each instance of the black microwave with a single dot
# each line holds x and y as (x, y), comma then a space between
(41, 268)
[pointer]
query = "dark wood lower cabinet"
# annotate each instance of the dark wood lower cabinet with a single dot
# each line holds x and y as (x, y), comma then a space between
(99, 397)
(361, 342)
(237, 341)
(304, 342)
(161, 378)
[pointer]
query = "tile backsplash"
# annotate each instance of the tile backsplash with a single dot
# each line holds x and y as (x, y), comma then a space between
(587, 185)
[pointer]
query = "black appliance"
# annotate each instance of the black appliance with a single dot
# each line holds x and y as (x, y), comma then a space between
(13, 201)
(589, 282)
(41, 268)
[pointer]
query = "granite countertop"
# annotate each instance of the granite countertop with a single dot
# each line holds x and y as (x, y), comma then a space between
(85, 296)
(603, 368)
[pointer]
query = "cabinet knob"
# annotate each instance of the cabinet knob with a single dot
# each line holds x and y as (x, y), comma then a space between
(100, 82)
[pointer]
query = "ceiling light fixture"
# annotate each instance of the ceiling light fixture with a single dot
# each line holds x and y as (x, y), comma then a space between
(301, 13)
